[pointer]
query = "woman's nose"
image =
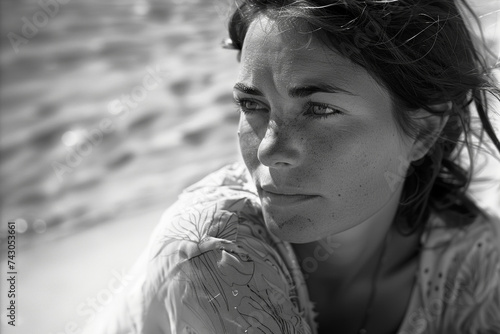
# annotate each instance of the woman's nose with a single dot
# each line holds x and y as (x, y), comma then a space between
(279, 147)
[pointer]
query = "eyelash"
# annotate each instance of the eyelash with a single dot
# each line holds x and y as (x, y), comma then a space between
(240, 102)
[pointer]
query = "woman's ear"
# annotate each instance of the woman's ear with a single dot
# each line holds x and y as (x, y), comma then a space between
(431, 126)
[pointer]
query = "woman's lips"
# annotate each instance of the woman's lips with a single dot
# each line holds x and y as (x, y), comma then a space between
(280, 199)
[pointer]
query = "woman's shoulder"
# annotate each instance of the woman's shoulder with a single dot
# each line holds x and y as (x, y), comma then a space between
(459, 276)
(212, 267)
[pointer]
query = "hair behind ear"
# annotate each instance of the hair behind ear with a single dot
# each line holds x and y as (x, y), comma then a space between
(430, 126)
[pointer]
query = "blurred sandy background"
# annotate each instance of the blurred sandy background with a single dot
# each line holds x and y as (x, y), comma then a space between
(108, 109)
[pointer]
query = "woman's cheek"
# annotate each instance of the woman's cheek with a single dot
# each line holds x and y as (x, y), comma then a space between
(249, 141)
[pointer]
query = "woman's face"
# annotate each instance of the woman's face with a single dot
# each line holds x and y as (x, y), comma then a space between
(317, 135)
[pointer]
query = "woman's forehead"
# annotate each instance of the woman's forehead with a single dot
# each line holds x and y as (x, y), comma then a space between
(296, 34)
(291, 56)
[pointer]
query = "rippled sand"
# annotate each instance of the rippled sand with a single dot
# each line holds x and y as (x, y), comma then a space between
(76, 150)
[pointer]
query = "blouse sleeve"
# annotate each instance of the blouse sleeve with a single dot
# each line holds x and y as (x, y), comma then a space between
(211, 267)
(223, 276)
(220, 292)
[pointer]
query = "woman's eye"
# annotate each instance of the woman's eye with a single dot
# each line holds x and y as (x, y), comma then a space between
(322, 110)
(247, 106)
(250, 105)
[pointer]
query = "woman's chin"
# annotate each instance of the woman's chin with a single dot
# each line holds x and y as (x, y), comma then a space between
(294, 229)
(301, 228)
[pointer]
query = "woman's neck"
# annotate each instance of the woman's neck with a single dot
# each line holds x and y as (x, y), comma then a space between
(352, 255)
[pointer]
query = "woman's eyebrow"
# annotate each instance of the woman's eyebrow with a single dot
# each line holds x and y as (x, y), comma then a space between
(304, 91)
(247, 89)
(295, 92)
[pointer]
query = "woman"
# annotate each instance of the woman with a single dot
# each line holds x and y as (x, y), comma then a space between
(350, 213)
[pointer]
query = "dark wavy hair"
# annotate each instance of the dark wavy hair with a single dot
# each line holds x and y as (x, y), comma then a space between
(425, 53)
